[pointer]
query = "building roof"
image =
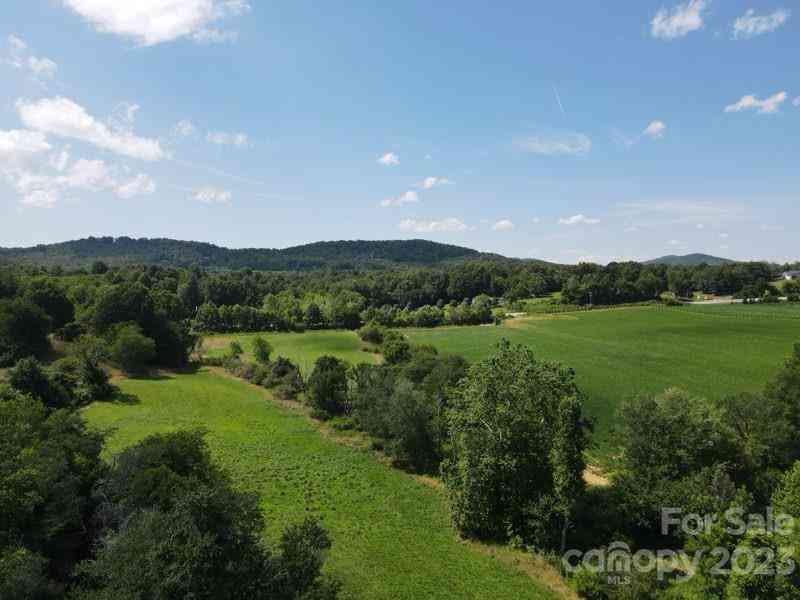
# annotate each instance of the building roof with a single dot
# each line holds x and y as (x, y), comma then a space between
(791, 273)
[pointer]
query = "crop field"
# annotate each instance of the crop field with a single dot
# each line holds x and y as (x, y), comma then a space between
(301, 348)
(709, 351)
(392, 535)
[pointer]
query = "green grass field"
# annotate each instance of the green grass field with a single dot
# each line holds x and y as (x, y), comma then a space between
(301, 348)
(392, 534)
(707, 350)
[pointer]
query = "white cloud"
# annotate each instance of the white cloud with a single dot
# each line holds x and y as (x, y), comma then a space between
(678, 22)
(750, 25)
(215, 36)
(63, 117)
(578, 220)
(151, 22)
(141, 185)
(767, 106)
(655, 130)
(44, 191)
(536, 220)
(431, 182)
(724, 236)
(570, 144)
(184, 128)
(390, 159)
(503, 225)
(212, 195)
(796, 101)
(60, 161)
(19, 144)
(410, 197)
(19, 57)
(228, 139)
(445, 225)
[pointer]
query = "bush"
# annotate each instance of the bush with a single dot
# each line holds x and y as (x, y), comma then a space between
(132, 351)
(283, 377)
(29, 377)
(372, 333)
(262, 349)
(395, 349)
(327, 387)
(70, 332)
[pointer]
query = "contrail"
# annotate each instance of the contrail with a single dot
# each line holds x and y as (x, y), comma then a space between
(219, 172)
(558, 98)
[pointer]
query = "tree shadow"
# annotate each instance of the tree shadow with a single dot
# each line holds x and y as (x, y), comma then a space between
(120, 397)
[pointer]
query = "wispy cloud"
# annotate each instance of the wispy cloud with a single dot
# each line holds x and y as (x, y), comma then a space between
(184, 128)
(18, 56)
(578, 220)
(750, 24)
(212, 195)
(431, 182)
(569, 144)
(222, 138)
(448, 225)
(390, 159)
(678, 22)
(655, 214)
(767, 106)
(409, 197)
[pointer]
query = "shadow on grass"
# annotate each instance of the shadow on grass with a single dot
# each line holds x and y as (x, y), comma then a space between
(120, 397)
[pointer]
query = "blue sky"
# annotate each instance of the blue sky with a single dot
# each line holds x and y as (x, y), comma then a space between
(566, 131)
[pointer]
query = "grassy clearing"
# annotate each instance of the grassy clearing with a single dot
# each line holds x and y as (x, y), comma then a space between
(708, 350)
(392, 533)
(301, 348)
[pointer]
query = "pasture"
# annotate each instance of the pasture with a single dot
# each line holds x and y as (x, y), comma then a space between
(301, 348)
(709, 351)
(392, 535)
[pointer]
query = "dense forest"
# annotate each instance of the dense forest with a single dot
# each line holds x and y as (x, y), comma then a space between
(167, 252)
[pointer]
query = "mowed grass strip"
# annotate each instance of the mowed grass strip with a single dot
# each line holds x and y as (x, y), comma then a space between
(709, 351)
(301, 348)
(392, 535)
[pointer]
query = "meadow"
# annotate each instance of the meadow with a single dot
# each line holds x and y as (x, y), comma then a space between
(301, 348)
(392, 534)
(709, 351)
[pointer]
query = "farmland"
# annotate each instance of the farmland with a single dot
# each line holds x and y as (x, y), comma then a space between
(707, 350)
(301, 348)
(392, 535)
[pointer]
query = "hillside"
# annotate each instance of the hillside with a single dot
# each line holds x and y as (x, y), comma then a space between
(689, 260)
(176, 253)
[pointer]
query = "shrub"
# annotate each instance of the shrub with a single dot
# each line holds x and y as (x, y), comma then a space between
(29, 377)
(262, 349)
(395, 349)
(132, 351)
(372, 333)
(327, 387)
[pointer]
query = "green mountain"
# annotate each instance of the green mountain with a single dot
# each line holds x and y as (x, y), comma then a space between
(167, 252)
(689, 260)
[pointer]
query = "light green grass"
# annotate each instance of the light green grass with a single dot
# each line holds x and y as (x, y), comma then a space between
(392, 536)
(301, 348)
(707, 350)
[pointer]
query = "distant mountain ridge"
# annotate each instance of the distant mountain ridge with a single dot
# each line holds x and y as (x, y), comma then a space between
(689, 260)
(176, 253)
